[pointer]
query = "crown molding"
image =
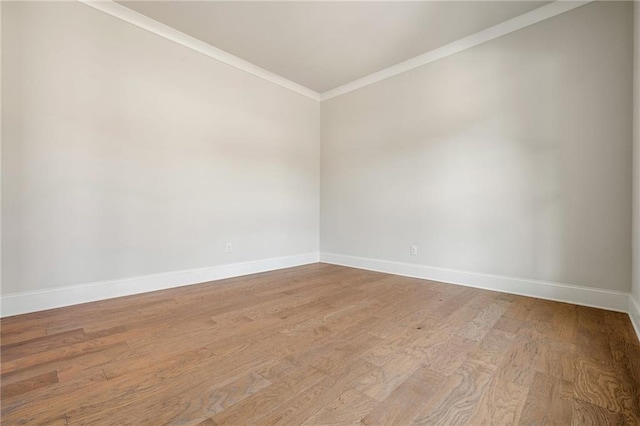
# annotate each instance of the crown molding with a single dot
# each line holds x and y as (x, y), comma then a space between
(537, 15)
(142, 21)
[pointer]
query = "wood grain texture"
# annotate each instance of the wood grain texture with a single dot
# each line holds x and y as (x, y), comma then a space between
(501, 404)
(592, 415)
(320, 344)
(549, 401)
(27, 385)
(406, 401)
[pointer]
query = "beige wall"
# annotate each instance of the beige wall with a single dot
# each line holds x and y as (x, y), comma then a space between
(636, 153)
(511, 158)
(125, 154)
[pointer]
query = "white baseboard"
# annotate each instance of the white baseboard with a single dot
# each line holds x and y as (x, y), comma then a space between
(634, 314)
(597, 298)
(32, 301)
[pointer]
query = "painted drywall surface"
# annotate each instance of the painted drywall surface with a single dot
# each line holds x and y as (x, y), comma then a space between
(323, 45)
(636, 153)
(125, 154)
(511, 158)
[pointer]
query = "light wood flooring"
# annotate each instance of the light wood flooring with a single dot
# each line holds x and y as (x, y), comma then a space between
(320, 344)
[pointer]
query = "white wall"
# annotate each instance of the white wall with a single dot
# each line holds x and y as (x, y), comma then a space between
(512, 158)
(635, 291)
(125, 154)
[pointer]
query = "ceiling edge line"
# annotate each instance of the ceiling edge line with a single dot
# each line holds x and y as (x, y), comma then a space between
(511, 25)
(142, 21)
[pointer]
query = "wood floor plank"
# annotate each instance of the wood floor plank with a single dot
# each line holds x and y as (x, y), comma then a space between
(549, 401)
(591, 415)
(541, 315)
(564, 323)
(320, 344)
(309, 402)
(509, 325)
(520, 308)
(207, 422)
(192, 397)
(386, 350)
(592, 319)
(556, 358)
(620, 328)
(501, 404)
(486, 318)
(458, 397)
(447, 352)
(70, 367)
(626, 357)
(493, 347)
(595, 344)
(198, 401)
(517, 365)
(383, 380)
(41, 344)
(328, 358)
(27, 385)
(252, 409)
(603, 385)
(406, 401)
(22, 334)
(77, 348)
(347, 409)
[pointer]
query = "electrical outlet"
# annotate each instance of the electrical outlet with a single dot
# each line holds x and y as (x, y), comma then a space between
(413, 250)
(229, 248)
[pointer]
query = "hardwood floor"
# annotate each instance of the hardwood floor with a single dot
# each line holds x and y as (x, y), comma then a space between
(320, 344)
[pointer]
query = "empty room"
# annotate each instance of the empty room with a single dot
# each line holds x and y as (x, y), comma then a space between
(320, 213)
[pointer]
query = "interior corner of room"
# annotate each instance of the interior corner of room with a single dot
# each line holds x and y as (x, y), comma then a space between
(320, 218)
(502, 164)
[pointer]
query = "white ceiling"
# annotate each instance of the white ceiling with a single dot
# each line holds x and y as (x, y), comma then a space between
(323, 45)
